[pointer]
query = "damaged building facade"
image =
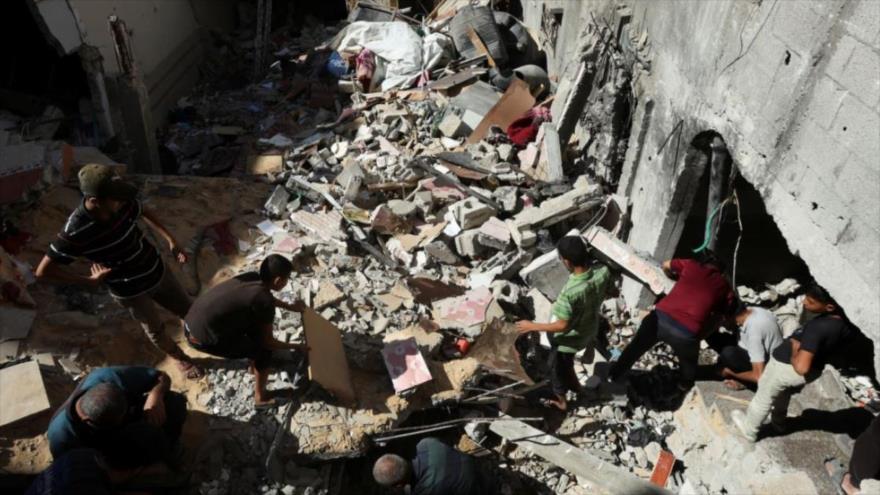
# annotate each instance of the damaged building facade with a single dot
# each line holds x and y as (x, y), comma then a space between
(423, 164)
(792, 90)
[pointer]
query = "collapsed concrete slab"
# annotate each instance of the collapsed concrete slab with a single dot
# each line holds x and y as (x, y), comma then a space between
(636, 266)
(553, 211)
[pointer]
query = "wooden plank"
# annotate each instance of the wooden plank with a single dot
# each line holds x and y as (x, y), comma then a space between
(515, 102)
(603, 476)
(23, 392)
(481, 47)
(327, 362)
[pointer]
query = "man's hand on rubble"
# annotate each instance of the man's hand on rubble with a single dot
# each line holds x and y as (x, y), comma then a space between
(99, 273)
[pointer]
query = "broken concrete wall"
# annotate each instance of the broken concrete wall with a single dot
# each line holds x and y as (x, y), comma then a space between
(792, 89)
(168, 40)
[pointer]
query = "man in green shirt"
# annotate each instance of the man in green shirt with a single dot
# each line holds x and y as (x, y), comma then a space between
(576, 311)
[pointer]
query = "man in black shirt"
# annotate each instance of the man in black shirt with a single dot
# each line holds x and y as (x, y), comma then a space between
(799, 359)
(104, 230)
(235, 318)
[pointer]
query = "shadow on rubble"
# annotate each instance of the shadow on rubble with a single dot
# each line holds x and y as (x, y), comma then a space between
(656, 389)
(851, 421)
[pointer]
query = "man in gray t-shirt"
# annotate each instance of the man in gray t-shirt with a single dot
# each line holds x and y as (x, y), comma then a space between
(741, 360)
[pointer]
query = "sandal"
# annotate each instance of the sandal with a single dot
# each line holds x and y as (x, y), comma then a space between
(190, 370)
(836, 471)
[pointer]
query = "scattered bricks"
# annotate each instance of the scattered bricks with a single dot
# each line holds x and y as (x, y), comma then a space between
(495, 234)
(641, 268)
(466, 244)
(277, 203)
(470, 213)
(424, 201)
(327, 294)
(549, 164)
(384, 221)
(353, 187)
(555, 210)
(440, 252)
(452, 126)
(546, 273)
(505, 152)
(507, 197)
(401, 208)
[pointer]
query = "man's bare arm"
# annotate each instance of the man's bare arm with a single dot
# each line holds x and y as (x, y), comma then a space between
(50, 270)
(153, 221)
(752, 376)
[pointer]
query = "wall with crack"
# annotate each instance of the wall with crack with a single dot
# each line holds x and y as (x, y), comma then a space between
(793, 89)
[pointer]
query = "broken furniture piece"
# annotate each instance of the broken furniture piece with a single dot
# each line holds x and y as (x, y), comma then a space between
(636, 266)
(328, 365)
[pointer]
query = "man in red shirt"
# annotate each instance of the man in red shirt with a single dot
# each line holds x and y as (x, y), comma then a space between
(684, 317)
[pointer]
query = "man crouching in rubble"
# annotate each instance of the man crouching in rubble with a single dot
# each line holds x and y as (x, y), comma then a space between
(127, 413)
(437, 469)
(577, 316)
(235, 318)
(104, 230)
(798, 360)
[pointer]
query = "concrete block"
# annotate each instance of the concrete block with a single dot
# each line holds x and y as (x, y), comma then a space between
(452, 126)
(546, 273)
(840, 56)
(470, 213)
(860, 183)
(797, 25)
(860, 76)
(507, 197)
(466, 244)
(864, 23)
(825, 101)
(277, 203)
(550, 162)
(642, 268)
(555, 210)
(495, 234)
(24, 393)
(856, 128)
(440, 252)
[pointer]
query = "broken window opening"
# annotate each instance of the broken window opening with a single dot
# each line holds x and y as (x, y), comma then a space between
(763, 257)
(47, 93)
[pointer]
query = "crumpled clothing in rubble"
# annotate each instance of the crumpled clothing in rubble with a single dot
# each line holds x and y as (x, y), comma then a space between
(366, 65)
(524, 129)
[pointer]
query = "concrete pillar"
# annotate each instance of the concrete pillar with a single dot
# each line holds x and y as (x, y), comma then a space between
(718, 175)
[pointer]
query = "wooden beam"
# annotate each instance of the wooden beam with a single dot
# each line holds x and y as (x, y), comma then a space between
(603, 476)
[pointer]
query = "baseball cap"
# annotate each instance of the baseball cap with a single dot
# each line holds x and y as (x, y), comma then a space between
(101, 181)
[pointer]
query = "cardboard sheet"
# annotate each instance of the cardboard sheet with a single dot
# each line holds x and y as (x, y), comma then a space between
(23, 392)
(327, 362)
(516, 101)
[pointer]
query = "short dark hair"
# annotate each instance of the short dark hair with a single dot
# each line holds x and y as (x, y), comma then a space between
(274, 266)
(817, 292)
(104, 404)
(738, 307)
(573, 249)
(708, 257)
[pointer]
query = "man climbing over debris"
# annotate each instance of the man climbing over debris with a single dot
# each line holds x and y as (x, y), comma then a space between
(104, 230)
(741, 359)
(127, 413)
(576, 311)
(700, 297)
(235, 319)
(798, 360)
(437, 469)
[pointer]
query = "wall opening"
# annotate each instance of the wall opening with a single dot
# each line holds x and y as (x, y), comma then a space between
(39, 87)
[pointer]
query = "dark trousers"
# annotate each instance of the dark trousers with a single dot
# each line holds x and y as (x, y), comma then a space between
(730, 354)
(655, 329)
(562, 375)
(140, 443)
(240, 346)
(865, 461)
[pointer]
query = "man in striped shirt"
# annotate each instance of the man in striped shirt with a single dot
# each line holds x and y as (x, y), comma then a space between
(104, 230)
